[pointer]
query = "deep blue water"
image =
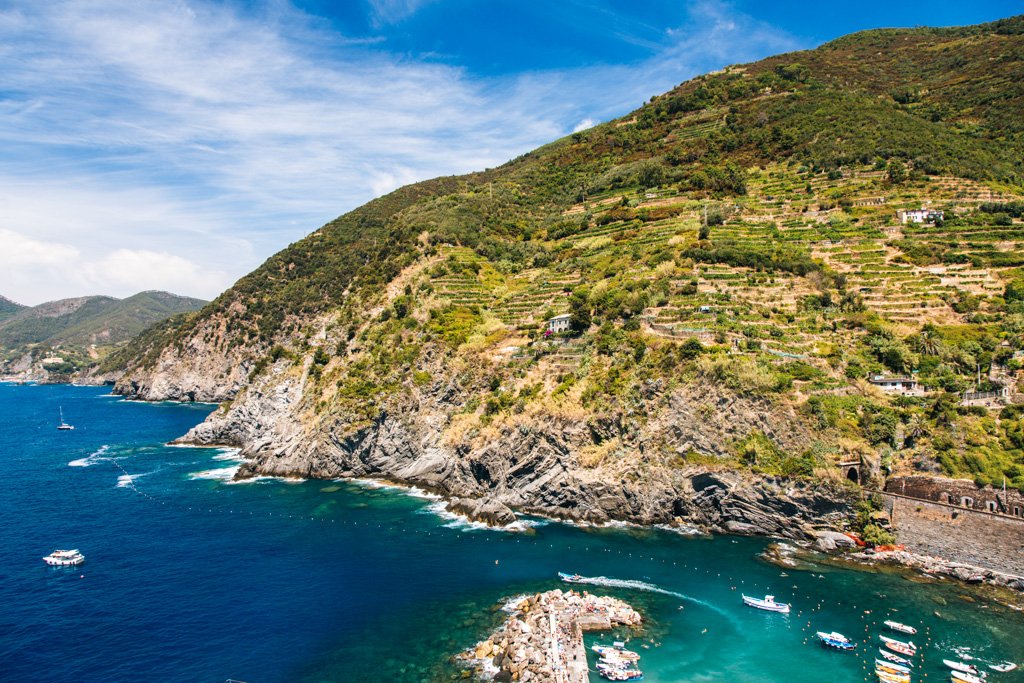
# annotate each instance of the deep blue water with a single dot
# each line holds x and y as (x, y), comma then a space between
(191, 578)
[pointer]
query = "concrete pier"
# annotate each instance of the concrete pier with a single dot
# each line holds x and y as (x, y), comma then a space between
(542, 640)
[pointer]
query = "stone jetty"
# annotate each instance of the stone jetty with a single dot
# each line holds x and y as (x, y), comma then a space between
(542, 639)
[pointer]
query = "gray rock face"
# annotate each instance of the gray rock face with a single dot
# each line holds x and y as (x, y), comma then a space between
(489, 512)
(532, 467)
(829, 541)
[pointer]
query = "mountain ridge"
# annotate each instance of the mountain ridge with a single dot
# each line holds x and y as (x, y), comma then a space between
(82, 328)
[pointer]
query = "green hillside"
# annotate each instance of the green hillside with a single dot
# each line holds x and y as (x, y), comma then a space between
(86, 327)
(740, 232)
(8, 308)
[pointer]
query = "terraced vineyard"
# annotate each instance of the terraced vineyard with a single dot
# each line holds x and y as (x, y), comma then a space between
(738, 235)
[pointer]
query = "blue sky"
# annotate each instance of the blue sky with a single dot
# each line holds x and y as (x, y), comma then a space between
(175, 144)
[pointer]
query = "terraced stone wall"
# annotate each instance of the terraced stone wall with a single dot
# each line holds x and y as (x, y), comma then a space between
(963, 535)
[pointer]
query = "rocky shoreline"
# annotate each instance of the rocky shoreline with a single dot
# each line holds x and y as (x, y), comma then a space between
(1010, 588)
(940, 567)
(542, 639)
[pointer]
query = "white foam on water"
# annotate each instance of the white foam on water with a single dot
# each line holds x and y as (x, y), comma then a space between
(651, 588)
(90, 459)
(262, 478)
(220, 474)
(413, 491)
(230, 455)
(682, 530)
(128, 480)
(512, 603)
(456, 520)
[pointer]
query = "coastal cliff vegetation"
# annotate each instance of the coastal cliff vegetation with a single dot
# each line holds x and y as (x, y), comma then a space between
(733, 269)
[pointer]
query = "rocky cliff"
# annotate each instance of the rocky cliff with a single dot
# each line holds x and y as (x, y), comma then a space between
(538, 461)
(730, 265)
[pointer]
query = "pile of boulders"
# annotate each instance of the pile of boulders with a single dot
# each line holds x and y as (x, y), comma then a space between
(521, 649)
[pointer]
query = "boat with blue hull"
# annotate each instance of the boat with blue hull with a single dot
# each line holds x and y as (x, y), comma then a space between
(836, 641)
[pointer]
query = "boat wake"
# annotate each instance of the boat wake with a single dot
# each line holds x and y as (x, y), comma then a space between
(650, 588)
(92, 458)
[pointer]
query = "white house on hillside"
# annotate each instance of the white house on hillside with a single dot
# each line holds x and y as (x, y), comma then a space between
(560, 323)
(921, 215)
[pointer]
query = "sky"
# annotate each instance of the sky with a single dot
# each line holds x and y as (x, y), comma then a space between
(176, 144)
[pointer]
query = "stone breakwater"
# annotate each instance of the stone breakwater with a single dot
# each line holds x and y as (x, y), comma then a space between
(542, 639)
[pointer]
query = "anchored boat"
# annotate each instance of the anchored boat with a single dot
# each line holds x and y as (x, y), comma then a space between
(961, 667)
(64, 558)
(888, 666)
(890, 676)
(64, 426)
(615, 651)
(835, 640)
(908, 649)
(965, 678)
(767, 604)
(1004, 667)
(896, 659)
(902, 628)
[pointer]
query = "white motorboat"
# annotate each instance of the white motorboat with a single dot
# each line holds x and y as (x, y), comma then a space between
(1004, 667)
(964, 678)
(64, 558)
(908, 649)
(960, 666)
(768, 604)
(902, 628)
(894, 658)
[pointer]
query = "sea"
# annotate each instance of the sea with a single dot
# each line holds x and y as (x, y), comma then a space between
(191, 576)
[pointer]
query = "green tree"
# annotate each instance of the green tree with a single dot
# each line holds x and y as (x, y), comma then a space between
(896, 172)
(1014, 290)
(579, 312)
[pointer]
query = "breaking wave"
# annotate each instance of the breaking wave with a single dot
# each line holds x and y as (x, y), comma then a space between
(91, 459)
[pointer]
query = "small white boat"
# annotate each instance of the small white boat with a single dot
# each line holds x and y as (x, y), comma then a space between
(965, 678)
(897, 668)
(896, 659)
(64, 558)
(889, 676)
(64, 426)
(616, 651)
(908, 649)
(768, 604)
(960, 666)
(1004, 667)
(902, 628)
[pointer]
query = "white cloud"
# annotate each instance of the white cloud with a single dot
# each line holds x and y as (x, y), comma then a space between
(199, 131)
(584, 124)
(123, 269)
(392, 11)
(38, 270)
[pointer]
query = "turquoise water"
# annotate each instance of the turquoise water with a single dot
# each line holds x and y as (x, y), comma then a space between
(192, 578)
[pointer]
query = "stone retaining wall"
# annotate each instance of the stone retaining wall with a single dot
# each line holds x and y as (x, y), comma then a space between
(986, 540)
